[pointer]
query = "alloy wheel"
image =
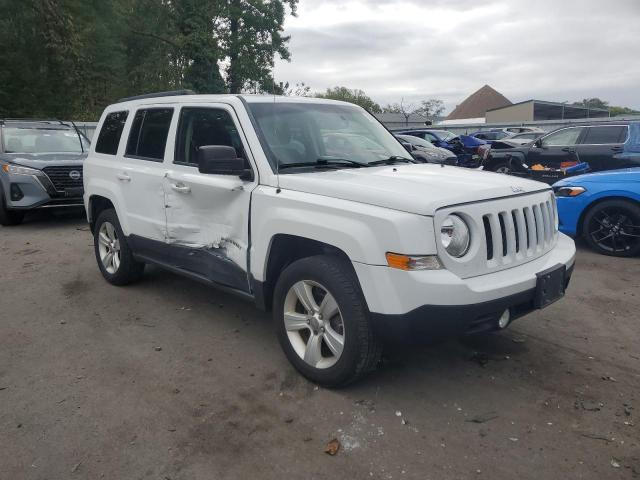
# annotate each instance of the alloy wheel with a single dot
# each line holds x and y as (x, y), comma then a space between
(314, 324)
(615, 230)
(109, 247)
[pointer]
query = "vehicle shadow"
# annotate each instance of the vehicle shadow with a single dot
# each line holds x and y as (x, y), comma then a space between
(53, 218)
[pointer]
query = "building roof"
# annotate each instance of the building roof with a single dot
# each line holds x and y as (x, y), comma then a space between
(476, 104)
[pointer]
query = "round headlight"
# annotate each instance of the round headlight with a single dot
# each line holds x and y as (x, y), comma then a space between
(454, 235)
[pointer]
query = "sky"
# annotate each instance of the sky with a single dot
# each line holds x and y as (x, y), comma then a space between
(555, 50)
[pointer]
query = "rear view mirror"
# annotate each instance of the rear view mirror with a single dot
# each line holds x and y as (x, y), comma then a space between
(222, 160)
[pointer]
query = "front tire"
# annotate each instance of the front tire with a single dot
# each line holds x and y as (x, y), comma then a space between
(322, 321)
(612, 228)
(113, 254)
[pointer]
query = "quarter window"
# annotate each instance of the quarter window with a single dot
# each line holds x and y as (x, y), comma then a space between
(110, 133)
(562, 138)
(605, 135)
(204, 126)
(148, 136)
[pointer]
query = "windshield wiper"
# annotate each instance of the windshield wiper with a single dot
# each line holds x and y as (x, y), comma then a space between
(392, 160)
(325, 162)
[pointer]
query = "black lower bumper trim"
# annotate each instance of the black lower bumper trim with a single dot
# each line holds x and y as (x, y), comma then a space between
(441, 321)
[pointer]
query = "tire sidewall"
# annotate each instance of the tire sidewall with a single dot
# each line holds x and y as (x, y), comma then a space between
(631, 207)
(352, 308)
(123, 275)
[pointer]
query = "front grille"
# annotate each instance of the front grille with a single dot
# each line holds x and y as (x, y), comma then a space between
(61, 179)
(505, 232)
(519, 232)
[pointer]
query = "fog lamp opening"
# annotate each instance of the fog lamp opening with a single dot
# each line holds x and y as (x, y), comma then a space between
(504, 319)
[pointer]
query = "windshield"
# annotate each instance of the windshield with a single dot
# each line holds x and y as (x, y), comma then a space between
(294, 133)
(42, 140)
(416, 141)
(444, 135)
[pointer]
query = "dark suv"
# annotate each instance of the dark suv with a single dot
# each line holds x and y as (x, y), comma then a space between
(40, 166)
(601, 146)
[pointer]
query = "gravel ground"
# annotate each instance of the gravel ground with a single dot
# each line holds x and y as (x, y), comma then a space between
(168, 379)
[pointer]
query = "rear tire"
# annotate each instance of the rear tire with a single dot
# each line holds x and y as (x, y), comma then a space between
(337, 316)
(113, 254)
(501, 167)
(612, 227)
(9, 218)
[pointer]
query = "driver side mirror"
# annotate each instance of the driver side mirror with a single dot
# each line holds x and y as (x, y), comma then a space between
(222, 160)
(538, 143)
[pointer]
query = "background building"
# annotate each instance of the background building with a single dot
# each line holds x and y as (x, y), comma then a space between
(537, 110)
(474, 107)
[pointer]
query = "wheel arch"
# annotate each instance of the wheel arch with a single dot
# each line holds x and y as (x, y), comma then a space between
(283, 250)
(97, 204)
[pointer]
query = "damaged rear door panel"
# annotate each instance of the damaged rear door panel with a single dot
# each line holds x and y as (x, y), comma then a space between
(208, 215)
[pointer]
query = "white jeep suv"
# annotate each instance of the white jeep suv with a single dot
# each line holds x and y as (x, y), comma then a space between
(313, 209)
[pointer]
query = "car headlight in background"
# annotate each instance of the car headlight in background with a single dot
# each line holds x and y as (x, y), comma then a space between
(19, 170)
(455, 236)
(569, 191)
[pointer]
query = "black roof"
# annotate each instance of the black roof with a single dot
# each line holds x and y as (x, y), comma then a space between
(171, 93)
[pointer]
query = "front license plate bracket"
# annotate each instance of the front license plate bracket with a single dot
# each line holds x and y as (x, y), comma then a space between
(550, 286)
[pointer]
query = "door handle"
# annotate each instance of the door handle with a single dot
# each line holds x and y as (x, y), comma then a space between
(180, 188)
(568, 149)
(617, 149)
(123, 177)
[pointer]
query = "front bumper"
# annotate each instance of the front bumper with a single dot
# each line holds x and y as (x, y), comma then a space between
(442, 300)
(28, 192)
(440, 321)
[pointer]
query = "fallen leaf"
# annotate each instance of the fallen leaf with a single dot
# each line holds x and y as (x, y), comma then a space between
(332, 447)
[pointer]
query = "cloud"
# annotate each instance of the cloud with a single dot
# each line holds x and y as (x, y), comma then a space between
(417, 49)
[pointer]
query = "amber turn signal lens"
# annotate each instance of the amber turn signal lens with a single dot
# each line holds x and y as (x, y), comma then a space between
(413, 262)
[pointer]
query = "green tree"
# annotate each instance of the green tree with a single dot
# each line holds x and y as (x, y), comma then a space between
(252, 31)
(359, 97)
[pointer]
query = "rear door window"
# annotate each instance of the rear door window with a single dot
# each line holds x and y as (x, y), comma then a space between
(148, 136)
(110, 133)
(605, 135)
(562, 138)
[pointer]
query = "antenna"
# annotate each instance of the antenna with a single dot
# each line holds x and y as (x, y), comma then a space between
(273, 90)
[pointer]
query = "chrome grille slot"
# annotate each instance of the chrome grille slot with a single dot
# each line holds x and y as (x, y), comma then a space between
(506, 232)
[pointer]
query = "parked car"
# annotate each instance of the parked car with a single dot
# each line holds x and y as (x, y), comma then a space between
(345, 247)
(600, 146)
(522, 138)
(427, 152)
(490, 136)
(464, 146)
(40, 167)
(521, 129)
(604, 209)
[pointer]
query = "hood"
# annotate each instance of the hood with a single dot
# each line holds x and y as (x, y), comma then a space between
(624, 175)
(416, 188)
(41, 160)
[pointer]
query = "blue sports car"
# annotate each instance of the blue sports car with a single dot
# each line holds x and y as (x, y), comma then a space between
(604, 208)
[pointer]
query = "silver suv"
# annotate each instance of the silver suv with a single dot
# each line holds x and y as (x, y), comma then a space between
(40, 166)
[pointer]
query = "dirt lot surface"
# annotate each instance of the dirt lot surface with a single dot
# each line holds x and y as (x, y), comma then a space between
(168, 379)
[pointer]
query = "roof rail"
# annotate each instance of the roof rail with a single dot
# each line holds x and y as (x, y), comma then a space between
(158, 94)
(30, 120)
